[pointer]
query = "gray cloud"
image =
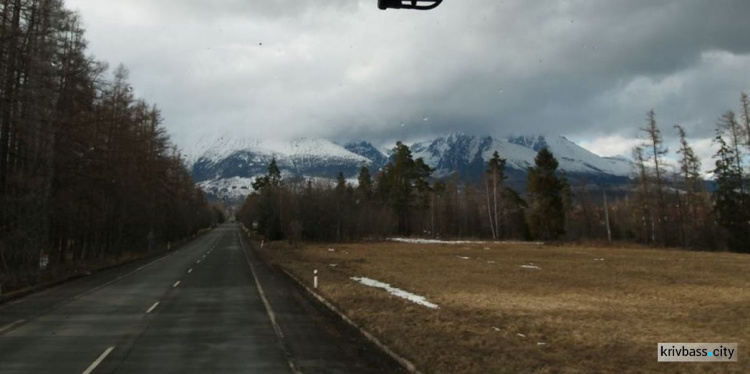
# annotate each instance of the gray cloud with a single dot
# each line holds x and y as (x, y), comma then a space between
(345, 70)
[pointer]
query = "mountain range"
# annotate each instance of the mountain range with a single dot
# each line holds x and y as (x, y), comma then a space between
(225, 166)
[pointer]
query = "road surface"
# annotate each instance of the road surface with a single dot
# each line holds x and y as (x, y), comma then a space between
(196, 310)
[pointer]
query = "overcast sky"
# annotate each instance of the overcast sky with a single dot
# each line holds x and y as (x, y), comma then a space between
(342, 69)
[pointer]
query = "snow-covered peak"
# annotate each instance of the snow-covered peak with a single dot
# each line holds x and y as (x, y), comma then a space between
(219, 148)
(452, 152)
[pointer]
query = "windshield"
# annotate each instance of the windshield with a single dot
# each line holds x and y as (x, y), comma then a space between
(454, 186)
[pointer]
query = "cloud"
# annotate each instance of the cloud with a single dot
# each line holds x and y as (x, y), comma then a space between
(589, 69)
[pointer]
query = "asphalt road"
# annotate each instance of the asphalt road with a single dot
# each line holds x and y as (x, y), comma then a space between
(197, 310)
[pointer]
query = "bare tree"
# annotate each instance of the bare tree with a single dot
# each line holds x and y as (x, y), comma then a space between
(655, 155)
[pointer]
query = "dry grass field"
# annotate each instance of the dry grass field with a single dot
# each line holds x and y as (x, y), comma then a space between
(583, 310)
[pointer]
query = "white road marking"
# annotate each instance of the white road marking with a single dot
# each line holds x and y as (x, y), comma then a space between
(176, 284)
(271, 315)
(198, 262)
(190, 271)
(12, 325)
(99, 360)
(152, 308)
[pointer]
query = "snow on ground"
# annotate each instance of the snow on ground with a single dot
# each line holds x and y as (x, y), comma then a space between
(531, 266)
(432, 241)
(421, 300)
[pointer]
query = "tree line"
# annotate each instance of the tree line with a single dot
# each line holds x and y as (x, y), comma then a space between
(87, 172)
(667, 204)
(402, 199)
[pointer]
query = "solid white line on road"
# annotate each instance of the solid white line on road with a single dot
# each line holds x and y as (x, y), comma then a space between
(12, 325)
(176, 284)
(269, 310)
(152, 308)
(190, 271)
(99, 360)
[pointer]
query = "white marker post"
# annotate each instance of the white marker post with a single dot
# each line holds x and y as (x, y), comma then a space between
(262, 242)
(315, 279)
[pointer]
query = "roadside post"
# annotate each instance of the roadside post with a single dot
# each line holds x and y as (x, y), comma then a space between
(315, 279)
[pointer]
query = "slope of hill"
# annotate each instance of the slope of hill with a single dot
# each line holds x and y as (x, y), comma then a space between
(225, 166)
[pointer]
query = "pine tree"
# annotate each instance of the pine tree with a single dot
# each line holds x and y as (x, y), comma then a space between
(730, 208)
(365, 186)
(731, 130)
(404, 186)
(545, 190)
(644, 195)
(690, 166)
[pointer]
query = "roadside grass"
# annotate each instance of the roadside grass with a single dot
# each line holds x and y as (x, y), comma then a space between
(586, 309)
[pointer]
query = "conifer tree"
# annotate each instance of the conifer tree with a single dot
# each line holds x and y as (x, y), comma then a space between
(545, 190)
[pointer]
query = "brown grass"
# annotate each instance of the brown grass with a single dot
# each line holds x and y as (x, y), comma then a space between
(592, 316)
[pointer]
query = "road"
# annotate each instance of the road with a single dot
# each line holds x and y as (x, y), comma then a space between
(199, 309)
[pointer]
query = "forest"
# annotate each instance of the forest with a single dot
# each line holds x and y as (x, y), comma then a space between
(667, 204)
(87, 172)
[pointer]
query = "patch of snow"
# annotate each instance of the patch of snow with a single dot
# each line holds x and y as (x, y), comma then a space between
(435, 241)
(521, 335)
(331, 250)
(432, 241)
(421, 300)
(531, 266)
(463, 258)
(598, 259)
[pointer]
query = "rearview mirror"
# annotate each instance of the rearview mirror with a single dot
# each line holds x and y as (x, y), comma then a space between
(409, 4)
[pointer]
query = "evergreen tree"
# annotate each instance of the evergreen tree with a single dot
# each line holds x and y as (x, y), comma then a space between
(404, 185)
(730, 201)
(364, 189)
(690, 166)
(270, 202)
(545, 190)
(272, 179)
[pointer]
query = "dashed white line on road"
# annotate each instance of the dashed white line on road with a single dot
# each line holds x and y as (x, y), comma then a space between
(99, 360)
(190, 271)
(12, 325)
(176, 284)
(152, 308)
(198, 262)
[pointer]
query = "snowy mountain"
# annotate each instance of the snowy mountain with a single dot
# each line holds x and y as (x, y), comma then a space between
(225, 166)
(367, 150)
(467, 155)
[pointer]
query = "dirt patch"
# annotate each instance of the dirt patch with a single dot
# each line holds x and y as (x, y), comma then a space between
(514, 308)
